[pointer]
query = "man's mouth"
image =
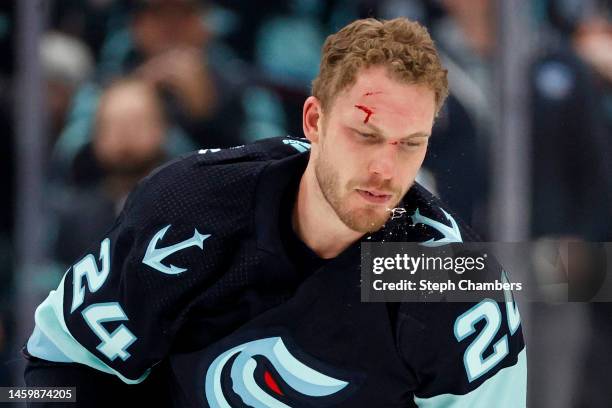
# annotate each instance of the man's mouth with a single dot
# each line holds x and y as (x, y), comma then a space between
(375, 196)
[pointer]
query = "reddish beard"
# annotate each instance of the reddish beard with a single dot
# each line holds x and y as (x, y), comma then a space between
(362, 219)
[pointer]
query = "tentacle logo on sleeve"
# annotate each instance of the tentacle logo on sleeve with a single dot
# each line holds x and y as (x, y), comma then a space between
(154, 256)
(302, 379)
(451, 234)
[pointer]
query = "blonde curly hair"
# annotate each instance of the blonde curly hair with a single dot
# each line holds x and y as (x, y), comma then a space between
(403, 46)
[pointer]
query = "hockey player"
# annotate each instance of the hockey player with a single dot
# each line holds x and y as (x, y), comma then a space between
(232, 277)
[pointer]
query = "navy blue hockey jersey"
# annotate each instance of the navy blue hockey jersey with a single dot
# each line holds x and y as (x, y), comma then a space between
(195, 272)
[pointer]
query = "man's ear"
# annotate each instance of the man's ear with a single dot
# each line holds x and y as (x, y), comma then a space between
(312, 119)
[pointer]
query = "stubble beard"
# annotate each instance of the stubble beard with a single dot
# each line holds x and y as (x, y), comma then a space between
(364, 219)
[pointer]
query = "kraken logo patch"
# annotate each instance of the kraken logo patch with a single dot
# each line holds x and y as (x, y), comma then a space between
(264, 373)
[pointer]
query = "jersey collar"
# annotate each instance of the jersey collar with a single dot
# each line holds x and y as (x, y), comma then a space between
(273, 182)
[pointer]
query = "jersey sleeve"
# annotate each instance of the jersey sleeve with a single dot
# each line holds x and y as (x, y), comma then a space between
(118, 307)
(156, 390)
(465, 354)
(461, 354)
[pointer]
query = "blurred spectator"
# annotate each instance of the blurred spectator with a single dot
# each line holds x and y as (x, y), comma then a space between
(66, 63)
(172, 48)
(88, 20)
(572, 177)
(168, 44)
(592, 41)
(128, 141)
(572, 188)
(171, 39)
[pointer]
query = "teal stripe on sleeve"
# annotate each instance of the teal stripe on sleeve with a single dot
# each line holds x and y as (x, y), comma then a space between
(506, 389)
(49, 318)
(41, 346)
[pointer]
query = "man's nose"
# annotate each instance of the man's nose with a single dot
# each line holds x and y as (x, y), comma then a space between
(384, 162)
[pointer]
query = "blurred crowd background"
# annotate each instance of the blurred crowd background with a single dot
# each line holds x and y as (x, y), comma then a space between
(127, 85)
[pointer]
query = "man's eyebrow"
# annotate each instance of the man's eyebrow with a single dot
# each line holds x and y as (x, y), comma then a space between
(413, 135)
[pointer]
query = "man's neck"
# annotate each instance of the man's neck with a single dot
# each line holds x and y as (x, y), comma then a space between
(315, 222)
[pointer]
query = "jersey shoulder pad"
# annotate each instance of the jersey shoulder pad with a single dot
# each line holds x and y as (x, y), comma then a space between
(261, 150)
(221, 179)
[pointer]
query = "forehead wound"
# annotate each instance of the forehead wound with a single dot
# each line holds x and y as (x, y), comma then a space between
(368, 111)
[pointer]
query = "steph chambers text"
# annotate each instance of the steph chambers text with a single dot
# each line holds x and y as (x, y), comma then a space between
(427, 285)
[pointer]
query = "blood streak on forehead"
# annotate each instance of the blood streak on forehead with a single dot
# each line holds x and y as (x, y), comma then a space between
(367, 110)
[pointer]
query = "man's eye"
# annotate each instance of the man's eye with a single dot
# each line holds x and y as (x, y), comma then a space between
(367, 136)
(409, 144)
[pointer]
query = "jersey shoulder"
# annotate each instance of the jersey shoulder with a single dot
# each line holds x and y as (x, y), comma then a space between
(461, 353)
(120, 307)
(221, 181)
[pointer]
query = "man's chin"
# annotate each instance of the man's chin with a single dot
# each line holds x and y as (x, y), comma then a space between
(365, 220)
